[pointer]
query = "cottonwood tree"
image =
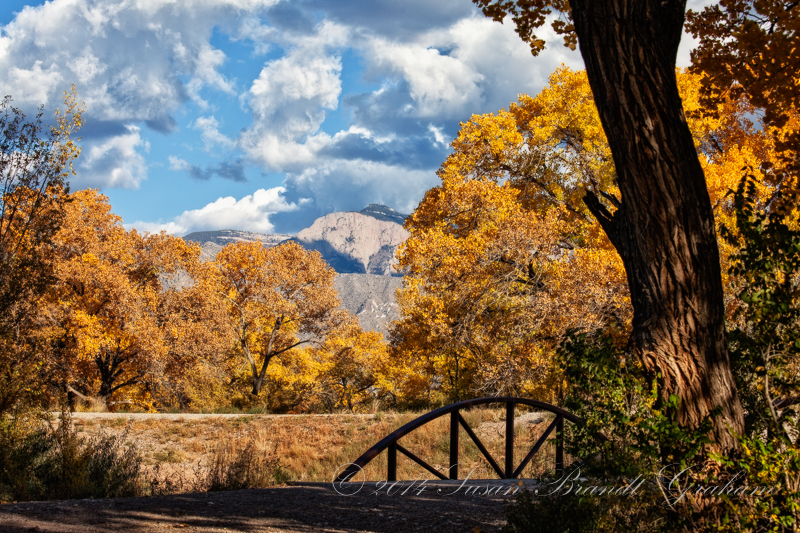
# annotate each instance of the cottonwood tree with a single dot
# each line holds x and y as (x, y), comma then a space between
(104, 309)
(662, 223)
(353, 367)
(484, 292)
(495, 275)
(278, 299)
(193, 322)
(34, 171)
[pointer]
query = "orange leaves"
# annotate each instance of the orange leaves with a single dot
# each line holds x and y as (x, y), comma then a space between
(106, 303)
(354, 368)
(476, 260)
(529, 15)
(138, 317)
(33, 169)
(551, 147)
(750, 47)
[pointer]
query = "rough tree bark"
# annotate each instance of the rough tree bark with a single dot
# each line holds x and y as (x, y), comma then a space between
(663, 227)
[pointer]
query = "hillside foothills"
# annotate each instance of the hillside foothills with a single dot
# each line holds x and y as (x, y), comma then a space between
(211, 242)
(372, 298)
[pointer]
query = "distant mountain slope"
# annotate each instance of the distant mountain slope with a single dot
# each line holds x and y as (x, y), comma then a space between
(211, 242)
(371, 298)
(382, 212)
(353, 243)
(209, 250)
(227, 236)
(359, 246)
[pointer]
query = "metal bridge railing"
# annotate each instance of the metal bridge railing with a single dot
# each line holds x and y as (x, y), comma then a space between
(390, 444)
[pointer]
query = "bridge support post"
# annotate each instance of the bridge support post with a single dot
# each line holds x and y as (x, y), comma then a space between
(453, 473)
(392, 462)
(509, 440)
(560, 443)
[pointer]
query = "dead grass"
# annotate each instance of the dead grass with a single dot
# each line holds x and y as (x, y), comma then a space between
(312, 447)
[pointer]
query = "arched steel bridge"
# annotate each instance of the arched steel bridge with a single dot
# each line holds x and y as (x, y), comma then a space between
(390, 443)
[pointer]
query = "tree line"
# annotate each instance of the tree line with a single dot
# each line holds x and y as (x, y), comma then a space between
(503, 259)
(120, 319)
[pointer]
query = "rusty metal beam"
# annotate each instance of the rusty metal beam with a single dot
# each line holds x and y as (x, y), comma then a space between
(536, 447)
(509, 439)
(480, 446)
(453, 471)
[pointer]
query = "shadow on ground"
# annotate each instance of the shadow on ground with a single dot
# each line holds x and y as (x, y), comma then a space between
(296, 509)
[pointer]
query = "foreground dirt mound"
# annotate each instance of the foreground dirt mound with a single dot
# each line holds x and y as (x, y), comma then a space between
(295, 509)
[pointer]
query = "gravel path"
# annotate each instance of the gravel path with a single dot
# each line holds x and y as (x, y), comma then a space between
(286, 509)
(189, 416)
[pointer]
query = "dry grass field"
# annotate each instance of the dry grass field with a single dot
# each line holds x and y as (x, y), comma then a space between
(178, 448)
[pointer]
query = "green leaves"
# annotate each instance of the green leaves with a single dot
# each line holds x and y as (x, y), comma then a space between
(765, 336)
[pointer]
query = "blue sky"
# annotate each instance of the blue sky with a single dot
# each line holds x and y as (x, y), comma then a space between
(262, 115)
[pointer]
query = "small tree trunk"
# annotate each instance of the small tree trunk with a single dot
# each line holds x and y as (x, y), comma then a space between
(106, 366)
(664, 226)
(259, 376)
(257, 383)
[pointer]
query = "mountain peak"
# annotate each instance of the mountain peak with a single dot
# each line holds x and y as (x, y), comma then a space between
(383, 212)
(354, 242)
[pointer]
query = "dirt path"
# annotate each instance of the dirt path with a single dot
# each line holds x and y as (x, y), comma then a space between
(196, 416)
(284, 509)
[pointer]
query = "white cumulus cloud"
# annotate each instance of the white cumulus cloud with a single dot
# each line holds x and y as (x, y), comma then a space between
(439, 83)
(132, 62)
(290, 98)
(250, 213)
(177, 164)
(365, 182)
(114, 162)
(421, 68)
(212, 137)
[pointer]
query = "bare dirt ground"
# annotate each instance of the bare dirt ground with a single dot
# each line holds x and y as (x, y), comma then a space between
(282, 509)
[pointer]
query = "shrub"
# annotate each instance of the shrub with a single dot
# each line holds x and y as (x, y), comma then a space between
(765, 352)
(627, 436)
(245, 464)
(43, 462)
(576, 514)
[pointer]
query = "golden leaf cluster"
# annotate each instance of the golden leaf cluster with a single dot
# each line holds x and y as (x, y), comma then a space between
(504, 257)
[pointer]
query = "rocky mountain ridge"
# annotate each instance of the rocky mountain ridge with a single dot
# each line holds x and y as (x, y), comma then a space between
(211, 242)
(383, 212)
(353, 243)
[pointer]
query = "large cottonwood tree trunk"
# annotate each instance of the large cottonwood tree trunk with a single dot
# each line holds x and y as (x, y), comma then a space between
(664, 226)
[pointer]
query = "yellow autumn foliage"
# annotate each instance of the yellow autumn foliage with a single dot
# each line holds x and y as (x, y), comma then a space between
(504, 257)
(354, 370)
(279, 301)
(114, 338)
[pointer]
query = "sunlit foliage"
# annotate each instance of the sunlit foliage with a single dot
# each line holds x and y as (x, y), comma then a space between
(504, 257)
